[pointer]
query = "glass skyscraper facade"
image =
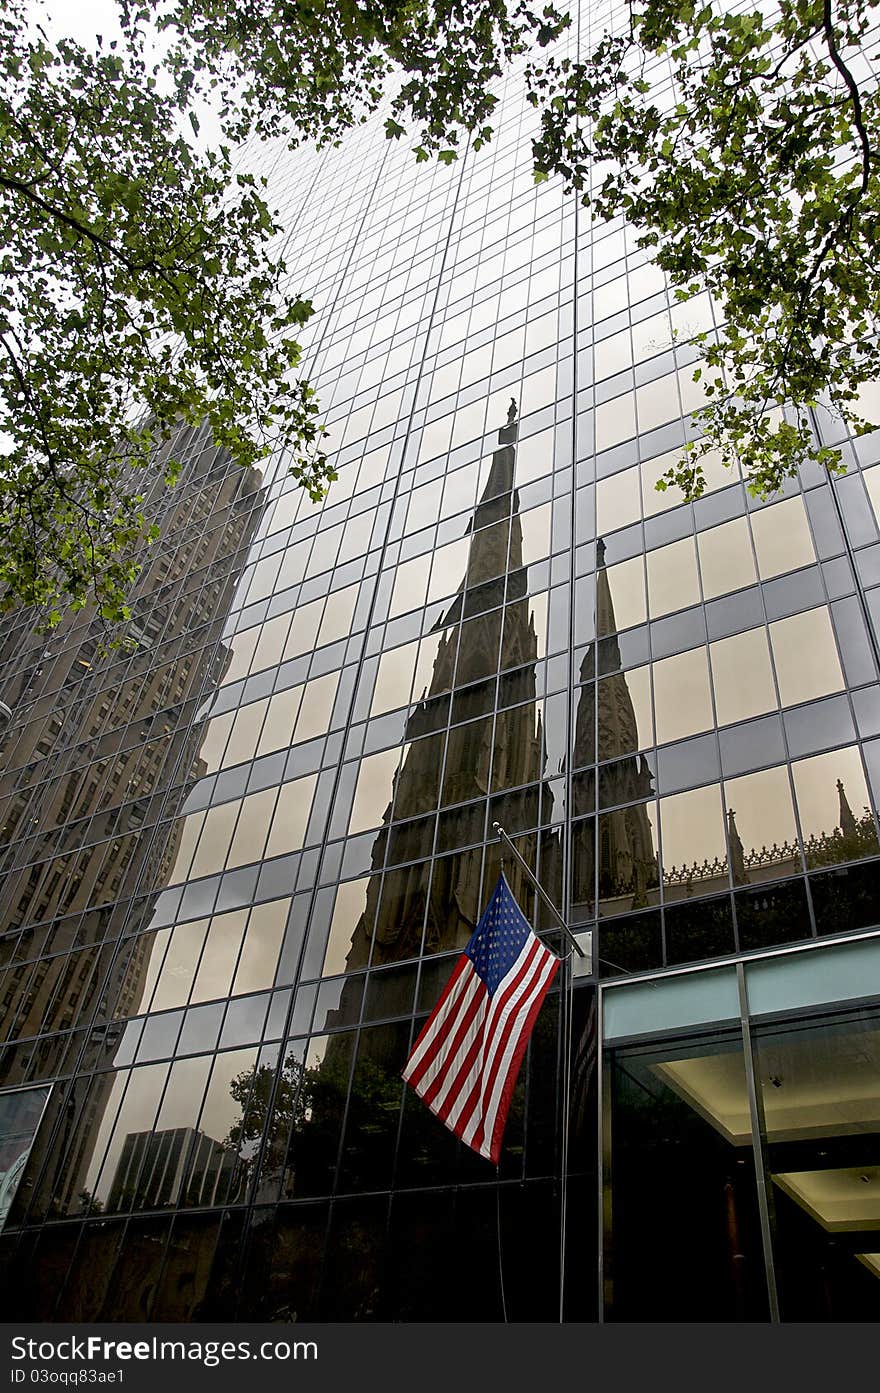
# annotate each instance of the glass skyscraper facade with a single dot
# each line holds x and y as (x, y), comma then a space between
(239, 856)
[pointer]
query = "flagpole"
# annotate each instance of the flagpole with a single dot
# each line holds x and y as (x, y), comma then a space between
(538, 887)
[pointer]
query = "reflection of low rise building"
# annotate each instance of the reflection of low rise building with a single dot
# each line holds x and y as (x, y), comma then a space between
(154, 1166)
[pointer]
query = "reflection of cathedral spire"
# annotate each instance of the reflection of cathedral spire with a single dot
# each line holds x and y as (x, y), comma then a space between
(627, 861)
(480, 638)
(736, 851)
(848, 824)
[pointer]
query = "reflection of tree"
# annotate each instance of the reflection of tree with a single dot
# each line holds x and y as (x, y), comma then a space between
(851, 842)
(302, 1122)
(88, 1204)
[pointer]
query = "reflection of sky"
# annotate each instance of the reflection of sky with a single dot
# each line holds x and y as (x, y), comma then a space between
(816, 785)
(692, 829)
(762, 804)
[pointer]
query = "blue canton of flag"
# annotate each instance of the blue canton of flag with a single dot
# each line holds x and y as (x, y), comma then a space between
(465, 1062)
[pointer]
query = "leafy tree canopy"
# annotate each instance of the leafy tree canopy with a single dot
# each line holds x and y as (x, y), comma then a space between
(140, 286)
(751, 174)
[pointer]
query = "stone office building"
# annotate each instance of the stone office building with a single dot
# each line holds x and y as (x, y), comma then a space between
(239, 859)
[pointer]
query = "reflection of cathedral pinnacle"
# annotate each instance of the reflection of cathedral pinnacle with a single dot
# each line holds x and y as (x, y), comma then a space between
(480, 638)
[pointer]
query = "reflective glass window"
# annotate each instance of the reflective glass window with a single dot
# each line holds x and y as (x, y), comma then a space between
(834, 808)
(761, 828)
(291, 816)
(805, 656)
(694, 850)
(672, 577)
(682, 701)
(782, 538)
(726, 560)
(742, 677)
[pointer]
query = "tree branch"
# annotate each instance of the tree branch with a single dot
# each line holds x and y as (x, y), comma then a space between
(853, 88)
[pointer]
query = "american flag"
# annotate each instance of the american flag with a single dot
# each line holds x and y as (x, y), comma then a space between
(465, 1062)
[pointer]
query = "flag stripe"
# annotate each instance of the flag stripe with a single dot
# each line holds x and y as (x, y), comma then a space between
(459, 1042)
(499, 1102)
(444, 1006)
(502, 1003)
(465, 1062)
(497, 1046)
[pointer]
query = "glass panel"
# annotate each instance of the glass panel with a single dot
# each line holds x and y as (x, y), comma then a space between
(627, 852)
(782, 538)
(241, 650)
(220, 956)
(656, 500)
(805, 654)
(625, 597)
(348, 918)
(281, 713)
(742, 676)
(215, 839)
(657, 402)
(148, 1174)
(316, 710)
(535, 535)
(253, 824)
(127, 1112)
(615, 421)
(652, 1008)
(394, 678)
(304, 629)
(178, 969)
(821, 1115)
(245, 732)
(448, 568)
(726, 560)
(213, 742)
(685, 1233)
(618, 500)
(672, 577)
(845, 972)
(761, 832)
(229, 1130)
(425, 677)
(373, 791)
(694, 850)
(291, 816)
(262, 943)
(624, 714)
(273, 635)
(338, 615)
(189, 829)
(682, 702)
(832, 798)
(410, 585)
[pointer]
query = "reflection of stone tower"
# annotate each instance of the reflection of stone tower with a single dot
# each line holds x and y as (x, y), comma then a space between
(627, 862)
(478, 642)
